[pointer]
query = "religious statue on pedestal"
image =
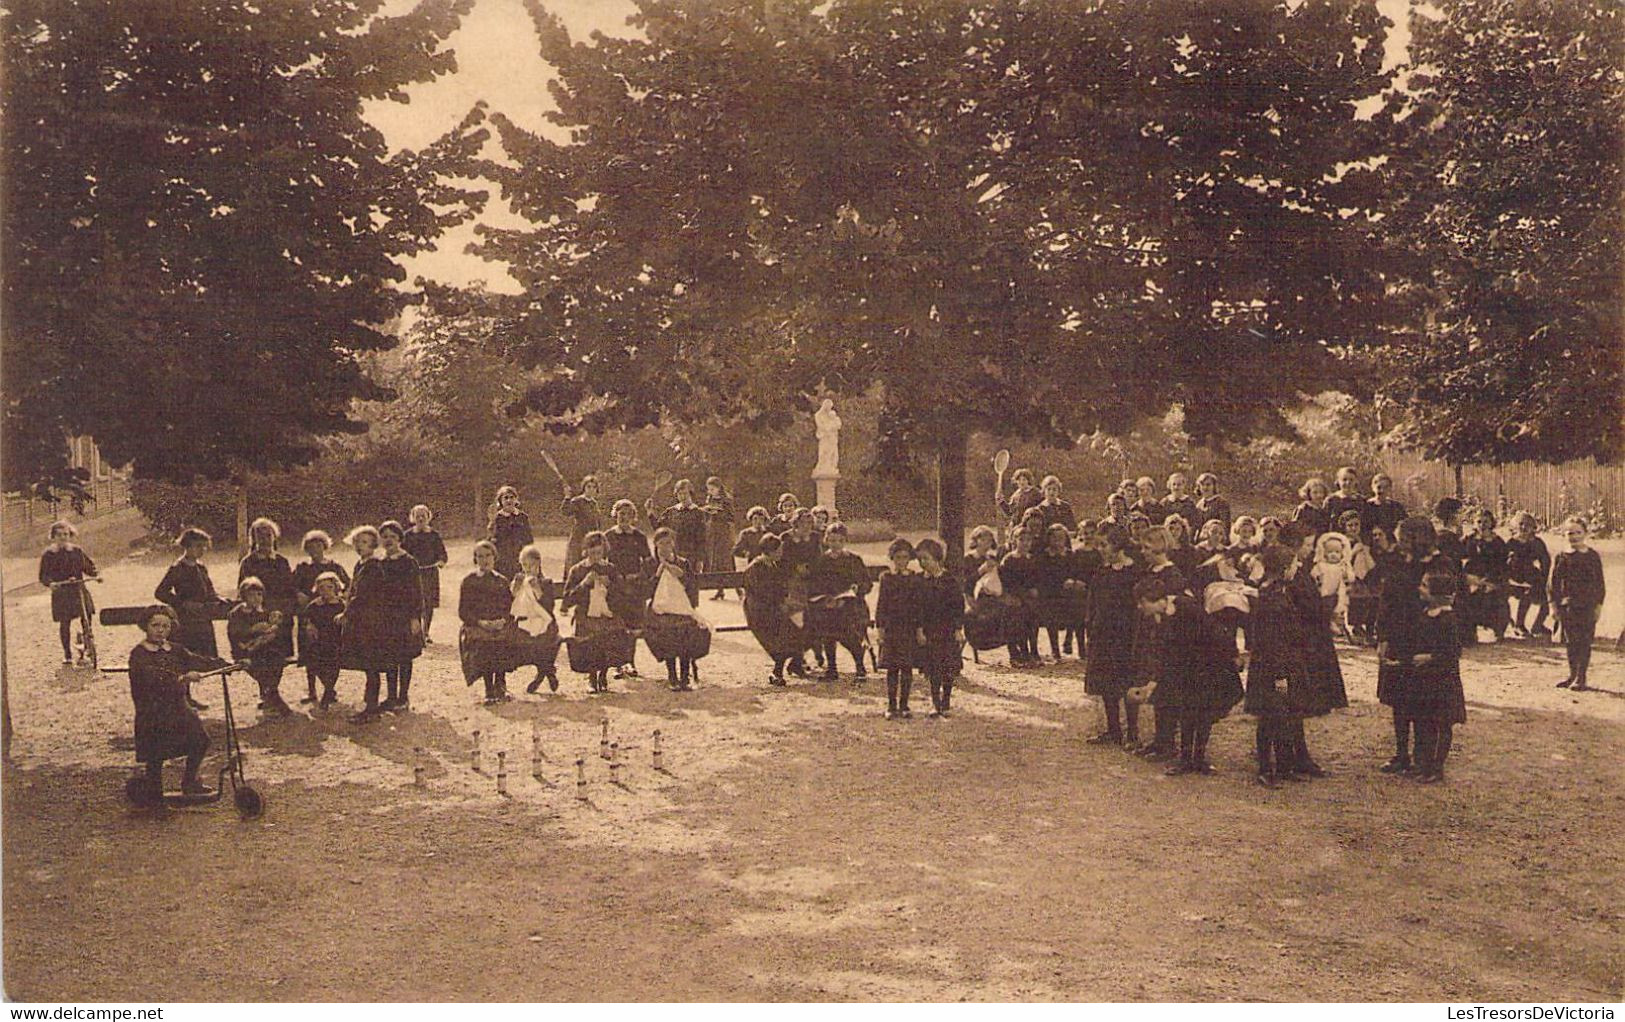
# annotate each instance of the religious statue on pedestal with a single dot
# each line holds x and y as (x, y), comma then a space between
(828, 469)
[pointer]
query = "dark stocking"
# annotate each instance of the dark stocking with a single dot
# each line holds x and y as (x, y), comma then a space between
(1443, 741)
(1113, 708)
(1402, 737)
(1204, 730)
(64, 631)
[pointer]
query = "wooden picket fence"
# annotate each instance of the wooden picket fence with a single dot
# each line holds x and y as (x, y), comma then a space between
(1549, 492)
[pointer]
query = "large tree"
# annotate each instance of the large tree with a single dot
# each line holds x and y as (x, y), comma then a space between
(1033, 219)
(201, 231)
(1510, 174)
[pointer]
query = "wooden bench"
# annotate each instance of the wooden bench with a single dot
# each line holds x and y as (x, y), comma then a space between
(708, 581)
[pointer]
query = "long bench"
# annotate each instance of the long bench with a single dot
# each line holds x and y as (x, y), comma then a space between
(708, 581)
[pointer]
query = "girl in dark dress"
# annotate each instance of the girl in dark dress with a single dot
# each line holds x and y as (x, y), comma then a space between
(1437, 699)
(383, 622)
(1313, 513)
(1109, 667)
(719, 529)
(187, 589)
(1086, 561)
(536, 635)
(670, 635)
(254, 631)
(404, 605)
(686, 520)
(1483, 600)
(63, 561)
(1399, 609)
(484, 643)
(749, 541)
(942, 614)
(1529, 565)
(1159, 568)
(1117, 512)
(1197, 681)
(585, 516)
(1025, 496)
(509, 530)
(1275, 668)
(897, 618)
(803, 545)
(166, 725)
(838, 585)
(1146, 502)
(1244, 534)
(628, 550)
(1323, 689)
(1184, 556)
(1054, 509)
(1019, 573)
(321, 635)
(1347, 498)
(315, 544)
(597, 592)
(982, 558)
(276, 574)
(1058, 593)
(1210, 506)
(767, 591)
(787, 506)
(1179, 502)
(429, 550)
(1577, 590)
(1382, 511)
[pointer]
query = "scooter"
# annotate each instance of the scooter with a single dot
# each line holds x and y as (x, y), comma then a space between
(250, 803)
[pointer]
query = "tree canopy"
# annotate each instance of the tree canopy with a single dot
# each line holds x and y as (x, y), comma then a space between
(201, 229)
(1509, 170)
(1036, 219)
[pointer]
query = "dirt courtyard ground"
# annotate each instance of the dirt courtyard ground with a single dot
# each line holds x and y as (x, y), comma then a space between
(799, 846)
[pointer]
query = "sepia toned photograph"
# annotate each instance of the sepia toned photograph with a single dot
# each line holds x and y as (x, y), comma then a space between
(1110, 502)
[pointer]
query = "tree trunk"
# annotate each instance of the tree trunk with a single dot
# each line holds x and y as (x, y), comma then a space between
(242, 518)
(1460, 490)
(951, 454)
(479, 509)
(5, 697)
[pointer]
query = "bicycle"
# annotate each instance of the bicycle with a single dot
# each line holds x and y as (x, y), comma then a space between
(86, 644)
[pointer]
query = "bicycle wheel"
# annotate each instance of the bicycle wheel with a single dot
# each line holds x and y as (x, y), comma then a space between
(87, 629)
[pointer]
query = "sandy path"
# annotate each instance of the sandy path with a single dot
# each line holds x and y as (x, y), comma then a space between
(798, 846)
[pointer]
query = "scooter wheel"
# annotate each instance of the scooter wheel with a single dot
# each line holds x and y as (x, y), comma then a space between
(250, 804)
(142, 792)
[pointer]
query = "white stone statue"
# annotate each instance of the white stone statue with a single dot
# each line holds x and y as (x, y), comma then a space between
(828, 425)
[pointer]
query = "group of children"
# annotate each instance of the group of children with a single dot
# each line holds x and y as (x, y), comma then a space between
(1159, 619)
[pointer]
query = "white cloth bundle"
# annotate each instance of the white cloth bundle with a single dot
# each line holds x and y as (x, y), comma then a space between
(1226, 596)
(534, 619)
(990, 584)
(670, 597)
(598, 598)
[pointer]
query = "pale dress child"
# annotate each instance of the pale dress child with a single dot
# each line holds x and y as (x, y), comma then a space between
(1333, 571)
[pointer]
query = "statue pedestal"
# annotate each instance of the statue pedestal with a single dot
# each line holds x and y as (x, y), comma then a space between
(824, 485)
